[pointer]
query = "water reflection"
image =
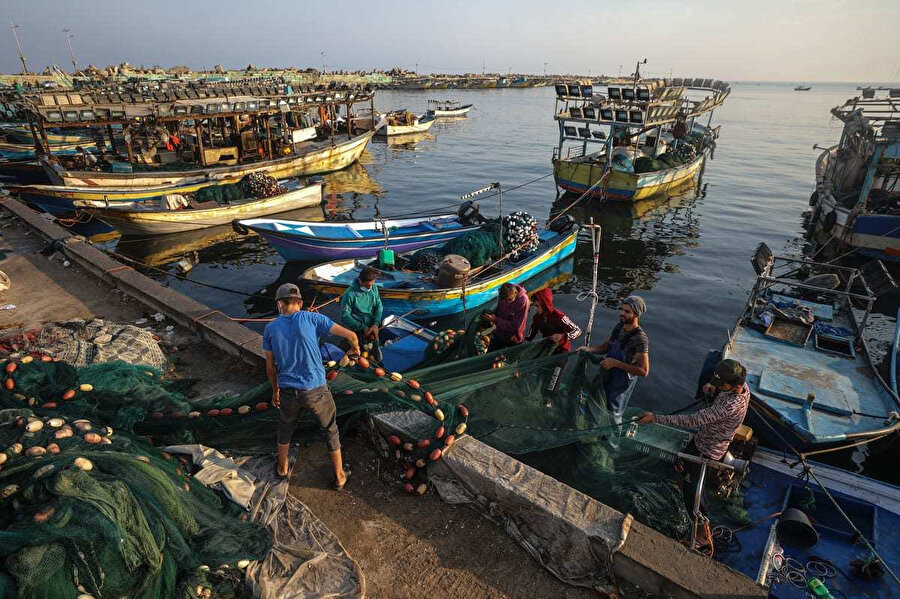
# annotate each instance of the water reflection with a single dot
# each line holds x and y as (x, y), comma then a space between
(410, 141)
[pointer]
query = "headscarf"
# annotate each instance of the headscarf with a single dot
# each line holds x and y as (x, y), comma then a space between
(637, 304)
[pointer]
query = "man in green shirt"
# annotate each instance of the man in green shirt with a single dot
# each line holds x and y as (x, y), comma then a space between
(361, 306)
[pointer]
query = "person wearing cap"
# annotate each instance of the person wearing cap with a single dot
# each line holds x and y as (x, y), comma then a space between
(294, 369)
(627, 356)
(716, 423)
(551, 322)
(509, 318)
(361, 305)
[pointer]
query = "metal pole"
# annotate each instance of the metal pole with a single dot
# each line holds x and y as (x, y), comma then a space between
(69, 38)
(595, 246)
(500, 195)
(701, 479)
(19, 47)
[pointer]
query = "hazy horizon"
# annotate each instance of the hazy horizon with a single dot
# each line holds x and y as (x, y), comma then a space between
(831, 41)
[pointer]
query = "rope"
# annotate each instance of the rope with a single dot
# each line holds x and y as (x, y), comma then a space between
(601, 180)
(490, 195)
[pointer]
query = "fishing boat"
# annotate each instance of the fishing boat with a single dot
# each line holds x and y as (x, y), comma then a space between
(22, 172)
(447, 108)
(802, 88)
(298, 240)
(802, 338)
(856, 203)
(149, 220)
(23, 151)
(403, 343)
(403, 122)
(649, 132)
(402, 290)
(21, 133)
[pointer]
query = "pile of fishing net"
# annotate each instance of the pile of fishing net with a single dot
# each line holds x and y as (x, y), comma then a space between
(261, 185)
(520, 233)
(92, 512)
(255, 185)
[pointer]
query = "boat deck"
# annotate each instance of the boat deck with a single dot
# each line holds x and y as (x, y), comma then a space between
(343, 231)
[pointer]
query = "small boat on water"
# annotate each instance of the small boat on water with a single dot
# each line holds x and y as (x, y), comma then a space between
(404, 290)
(649, 131)
(24, 151)
(403, 122)
(812, 378)
(143, 219)
(21, 133)
(447, 108)
(802, 88)
(856, 204)
(313, 240)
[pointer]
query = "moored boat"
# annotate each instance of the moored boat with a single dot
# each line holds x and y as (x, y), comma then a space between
(313, 240)
(812, 378)
(147, 220)
(649, 132)
(802, 88)
(447, 108)
(403, 122)
(402, 290)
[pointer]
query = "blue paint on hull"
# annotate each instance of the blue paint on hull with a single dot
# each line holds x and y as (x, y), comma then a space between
(311, 249)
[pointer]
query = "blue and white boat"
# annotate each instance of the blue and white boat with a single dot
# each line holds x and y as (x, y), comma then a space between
(857, 199)
(403, 291)
(801, 338)
(298, 240)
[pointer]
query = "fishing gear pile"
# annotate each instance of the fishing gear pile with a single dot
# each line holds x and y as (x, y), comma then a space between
(520, 231)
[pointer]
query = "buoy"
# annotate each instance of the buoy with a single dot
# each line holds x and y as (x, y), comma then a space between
(243, 409)
(363, 362)
(421, 489)
(63, 433)
(439, 432)
(331, 375)
(86, 387)
(40, 472)
(46, 359)
(68, 395)
(435, 455)
(9, 384)
(331, 364)
(450, 440)
(11, 367)
(422, 444)
(53, 448)
(213, 413)
(34, 426)
(415, 397)
(92, 438)
(394, 440)
(9, 490)
(420, 463)
(143, 458)
(463, 411)
(16, 448)
(429, 397)
(27, 360)
(345, 359)
(176, 415)
(396, 376)
(461, 428)
(262, 406)
(407, 447)
(56, 422)
(348, 392)
(400, 393)
(225, 412)
(50, 405)
(408, 487)
(242, 565)
(438, 414)
(3, 458)
(19, 396)
(409, 473)
(36, 451)
(157, 415)
(413, 384)
(83, 464)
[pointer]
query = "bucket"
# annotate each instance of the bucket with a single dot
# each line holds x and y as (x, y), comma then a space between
(795, 530)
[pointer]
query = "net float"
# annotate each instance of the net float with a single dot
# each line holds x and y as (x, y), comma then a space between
(242, 565)
(27, 360)
(435, 455)
(83, 464)
(3, 458)
(31, 401)
(85, 387)
(463, 410)
(421, 489)
(415, 397)
(213, 413)
(19, 421)
(105, 441)
(50, 405)
(9, 490)
(157, 415)
(379, 372)
(461, 428)
(331, 364)
(438, 414)
(82, 425)
(397, 454)
(345, 359)
(194, 414)
(407, 447)
(410, 472)
(432, 402)
(108, 431)
(9, 384)
(449, 441)
(11, 367)
(365, 354)
(423, 443)
(166, 455)
(243, 409)
(34, 426)
(15, 448)
(68, 395)
(262, 406)
(35, 452)
(394, 440)
(46, 359)
(187, 487)
(203, 568)
(363, 362)
(439, 432)
(225, 412)
(408, 487)
(56, 422)
(19, 396)
(45, 514)
(420, 463)
(332, 374)
(176, 415)
(400, 393)
(143, 458)
(413, 383)
(44, 470)
(92, 438)
(429, 397)
(63, 433)
(53, 448)
(396, 376)
(348, 392)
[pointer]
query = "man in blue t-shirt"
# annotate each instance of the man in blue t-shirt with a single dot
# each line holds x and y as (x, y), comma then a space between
(295, 371)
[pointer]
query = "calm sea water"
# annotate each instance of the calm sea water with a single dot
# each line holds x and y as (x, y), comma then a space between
(688, 256)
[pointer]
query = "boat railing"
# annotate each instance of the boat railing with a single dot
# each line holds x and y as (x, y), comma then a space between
(822, 164)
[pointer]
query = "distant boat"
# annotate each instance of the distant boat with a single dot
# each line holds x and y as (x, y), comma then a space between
(802, 88)
(403, 122)
(447, 108)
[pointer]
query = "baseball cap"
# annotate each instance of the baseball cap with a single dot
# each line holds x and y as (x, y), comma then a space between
(288, 291)
(728, 372)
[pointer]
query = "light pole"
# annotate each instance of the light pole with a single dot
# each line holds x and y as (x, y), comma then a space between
(545, 69)
(19, 46)
(322, 54)
(69, 38)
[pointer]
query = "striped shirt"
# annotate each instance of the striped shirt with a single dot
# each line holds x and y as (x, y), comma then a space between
(717, 423)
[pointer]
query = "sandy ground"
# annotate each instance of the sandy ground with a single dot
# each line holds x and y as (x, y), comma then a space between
(407, 546)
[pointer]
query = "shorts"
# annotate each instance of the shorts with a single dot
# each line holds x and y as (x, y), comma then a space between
(319, 401)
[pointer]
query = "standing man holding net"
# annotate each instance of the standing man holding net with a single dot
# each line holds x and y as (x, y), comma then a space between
(627, 357)
(295, 371)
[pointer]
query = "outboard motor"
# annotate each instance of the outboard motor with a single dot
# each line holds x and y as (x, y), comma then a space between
(562, 224)
(469, 214)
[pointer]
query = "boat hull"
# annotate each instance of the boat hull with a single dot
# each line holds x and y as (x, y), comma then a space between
(134, 222)
(578, 177)
(874, 234)
(319, 159)
(421, 127)
(23, 171)
(462, 111)
(446, 302)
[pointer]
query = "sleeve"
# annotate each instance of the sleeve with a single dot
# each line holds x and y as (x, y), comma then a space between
(378, 309)
(573, 331)
(520, 319)
(534, 329)
(641, 343)
(347, 318)
(323, 324)
(717, 411)
(267, 339)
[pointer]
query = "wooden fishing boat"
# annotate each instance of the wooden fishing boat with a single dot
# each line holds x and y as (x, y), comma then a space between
(812, 378)
(802, 88)
(648, 131)
(146, 220)
(22, 172)
(312, 240)
(447, 108)
(24, 151)
(19, 133)
(403, 291)
(404, 123)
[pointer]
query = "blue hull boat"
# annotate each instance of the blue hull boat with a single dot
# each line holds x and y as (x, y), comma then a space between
(298, 241)
(812, 379)
(403, 291)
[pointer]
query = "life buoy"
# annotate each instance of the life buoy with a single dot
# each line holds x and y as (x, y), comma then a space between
(830, 221)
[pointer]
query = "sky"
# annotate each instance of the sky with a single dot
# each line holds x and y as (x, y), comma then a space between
(762, 40)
